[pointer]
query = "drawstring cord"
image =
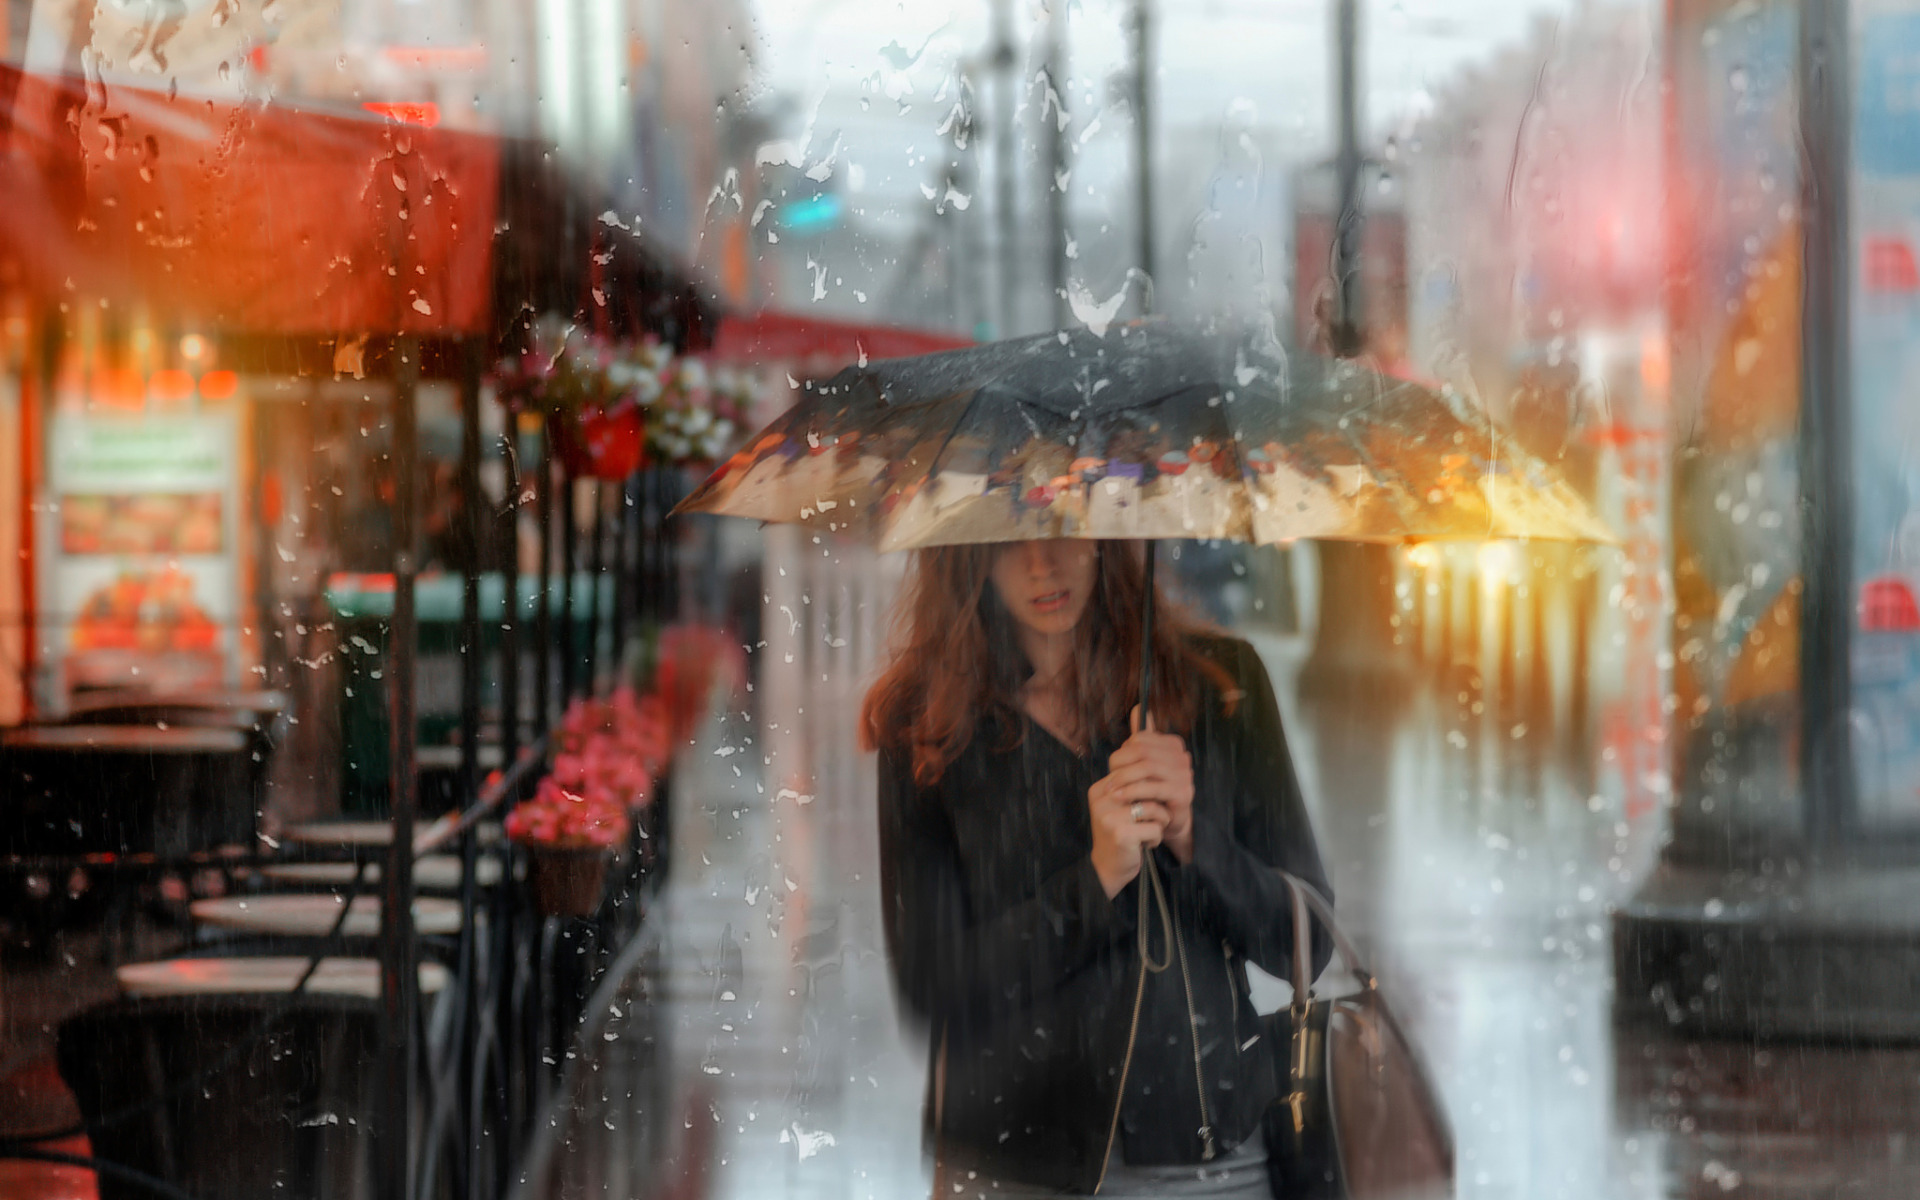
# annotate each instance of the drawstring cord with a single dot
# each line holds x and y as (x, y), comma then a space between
(1175, 945)
(1166, 918)
(1147, 966)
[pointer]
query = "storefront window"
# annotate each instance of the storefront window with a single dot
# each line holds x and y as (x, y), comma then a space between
(1736, 378)
(1886, 543)
(578, 596)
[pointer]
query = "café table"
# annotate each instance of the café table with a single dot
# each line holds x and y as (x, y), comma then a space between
(433, 873)
(123, 739)
(262, 715)
(250, 706)
(359, 834)
(124, 789)
(447, 758)
(264, 974)
(312, 914)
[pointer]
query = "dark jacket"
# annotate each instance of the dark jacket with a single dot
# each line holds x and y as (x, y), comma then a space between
(1006, 947)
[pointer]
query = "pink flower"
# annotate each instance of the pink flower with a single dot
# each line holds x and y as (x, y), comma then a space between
(557, 816)
(570, 770)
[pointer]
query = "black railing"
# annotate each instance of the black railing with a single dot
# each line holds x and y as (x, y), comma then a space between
(520, 981)
(464, 1083)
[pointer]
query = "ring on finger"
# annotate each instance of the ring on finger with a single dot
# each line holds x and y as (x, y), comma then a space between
(1137, 812)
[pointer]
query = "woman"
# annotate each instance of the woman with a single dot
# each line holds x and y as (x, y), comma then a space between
(1071, 893)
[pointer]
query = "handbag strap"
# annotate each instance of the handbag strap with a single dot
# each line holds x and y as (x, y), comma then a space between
(1309, 905)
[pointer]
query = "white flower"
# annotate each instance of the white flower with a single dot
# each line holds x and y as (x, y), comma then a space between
(693, 374)
(655, 356)
(646, 387)
(697, 421)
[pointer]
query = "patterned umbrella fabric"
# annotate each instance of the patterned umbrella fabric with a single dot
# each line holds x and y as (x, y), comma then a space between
(1155, 430)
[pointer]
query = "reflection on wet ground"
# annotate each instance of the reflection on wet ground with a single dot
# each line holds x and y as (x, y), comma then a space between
(755, 1052)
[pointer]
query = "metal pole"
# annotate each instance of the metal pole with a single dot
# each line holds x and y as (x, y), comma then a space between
(1003, 63)
(398, 973)
(670, 556)
(1825, 422)
(1539, 678)
(474, 517)
(1506, 641)
(1579, 693)
(622, 583)
(645, 607)
(1052, 119)
(510, 600)
(596, 567)
(473, 514)
(543, 605)
(1467, 648)
(273, 631)
(569, 545)
(965, 263)
(1143, 141)
(1347, 336)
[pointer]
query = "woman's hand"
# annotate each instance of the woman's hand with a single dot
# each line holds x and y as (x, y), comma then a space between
(1156, 767)
(1123, 830)
(1146, 798)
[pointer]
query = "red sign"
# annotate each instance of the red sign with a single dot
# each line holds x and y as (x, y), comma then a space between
(1889, 265)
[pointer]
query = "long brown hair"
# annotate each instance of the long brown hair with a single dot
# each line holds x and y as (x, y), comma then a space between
(957, 656)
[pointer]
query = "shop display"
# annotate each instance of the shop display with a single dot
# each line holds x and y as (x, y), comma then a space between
(164, 523)
(139, 611)
(141, 585)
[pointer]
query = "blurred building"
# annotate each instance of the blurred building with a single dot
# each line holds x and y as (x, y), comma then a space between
(1525, 200)
(596, 141)
(1383, 262)
(861, 213)
(1227, 201)
(1534, 204)
(640, 95)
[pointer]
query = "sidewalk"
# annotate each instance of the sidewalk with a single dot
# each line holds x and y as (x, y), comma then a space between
(756, 1053)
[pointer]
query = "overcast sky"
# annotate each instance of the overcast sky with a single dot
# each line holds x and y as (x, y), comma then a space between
(1214, 55)
(859, 89)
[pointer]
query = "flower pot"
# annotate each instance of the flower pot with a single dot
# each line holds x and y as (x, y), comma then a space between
(567, 881)
(615, 441)
(601, 443)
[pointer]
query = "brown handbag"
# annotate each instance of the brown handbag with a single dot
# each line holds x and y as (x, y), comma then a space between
(1357, 1116)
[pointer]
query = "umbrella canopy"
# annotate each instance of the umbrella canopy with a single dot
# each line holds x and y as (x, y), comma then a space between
(1155, 430)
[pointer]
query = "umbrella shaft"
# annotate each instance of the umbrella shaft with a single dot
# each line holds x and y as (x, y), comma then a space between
(1146, 638)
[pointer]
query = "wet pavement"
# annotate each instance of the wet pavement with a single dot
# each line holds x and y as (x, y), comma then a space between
(748, 1047)
(1475, 848)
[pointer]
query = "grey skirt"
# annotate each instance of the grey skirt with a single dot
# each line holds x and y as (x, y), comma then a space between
(1240, 1174)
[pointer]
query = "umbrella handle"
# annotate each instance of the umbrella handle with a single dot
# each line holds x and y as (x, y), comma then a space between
(1146, 639)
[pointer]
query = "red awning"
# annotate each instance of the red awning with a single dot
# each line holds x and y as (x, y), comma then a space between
(247, 217)
(819, 347)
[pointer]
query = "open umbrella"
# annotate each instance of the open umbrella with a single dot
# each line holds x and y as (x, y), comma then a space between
(1155, 430)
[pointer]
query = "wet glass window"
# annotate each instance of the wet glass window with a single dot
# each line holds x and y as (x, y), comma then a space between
(660, 598)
